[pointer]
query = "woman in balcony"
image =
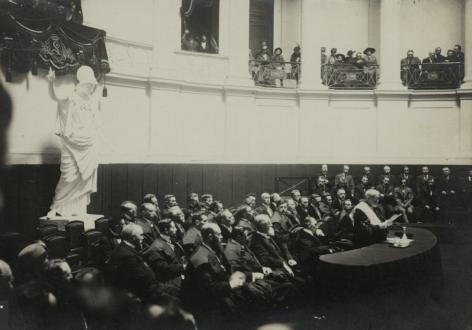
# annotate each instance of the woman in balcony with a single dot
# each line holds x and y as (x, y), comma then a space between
(278, 65)
(371, 63)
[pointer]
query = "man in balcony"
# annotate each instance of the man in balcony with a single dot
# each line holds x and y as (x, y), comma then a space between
(438, 57)
(458, 54)
(295, 61)
(428, 61)
(459, 57)
(408, 66)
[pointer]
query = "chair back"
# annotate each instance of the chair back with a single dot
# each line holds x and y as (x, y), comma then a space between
(44, 231)
(74, 230)
(57, 246)
(93, 253)
(10, 246)
(101, 225)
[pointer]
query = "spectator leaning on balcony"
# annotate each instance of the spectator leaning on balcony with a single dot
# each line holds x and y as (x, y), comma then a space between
(369, 58)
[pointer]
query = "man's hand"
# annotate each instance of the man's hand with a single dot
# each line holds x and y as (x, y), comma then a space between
(51, 76)
(437, 208)
(266, 270)
(289, 270)
(292, 262)
(444, 192)
(236, 280)
(257, 276)
(452, 192)
(427, 207)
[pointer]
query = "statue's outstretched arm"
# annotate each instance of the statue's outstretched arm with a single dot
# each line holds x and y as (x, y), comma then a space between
(52, 88)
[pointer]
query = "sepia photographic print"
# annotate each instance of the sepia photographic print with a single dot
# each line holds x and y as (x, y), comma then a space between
(236, 164)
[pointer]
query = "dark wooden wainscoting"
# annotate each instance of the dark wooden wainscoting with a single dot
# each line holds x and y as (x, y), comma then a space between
(28, 189)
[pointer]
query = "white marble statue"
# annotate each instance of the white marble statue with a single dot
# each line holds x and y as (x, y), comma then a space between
(77, 126)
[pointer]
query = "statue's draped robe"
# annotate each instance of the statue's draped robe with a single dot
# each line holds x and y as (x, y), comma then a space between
(77, 121)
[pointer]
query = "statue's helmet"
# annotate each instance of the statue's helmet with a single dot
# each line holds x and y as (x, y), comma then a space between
(85, 75)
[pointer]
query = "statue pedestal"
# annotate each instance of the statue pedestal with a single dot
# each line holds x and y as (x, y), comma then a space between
(87, 219)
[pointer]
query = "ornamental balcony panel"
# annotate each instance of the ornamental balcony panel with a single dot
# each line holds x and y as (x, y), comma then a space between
(275, 73)
(349, 76)
(433, 75)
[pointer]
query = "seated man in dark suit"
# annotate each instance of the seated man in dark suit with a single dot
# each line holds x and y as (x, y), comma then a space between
(387, 173)
(338, 202)
(266, 249)
(292, 213)
(241, 258)
(404, 198)
(282, 226)
(410, 180)
(166, 258)
(193, 237)
(345, 224)
(296, 196)
(265, 207)
(423, 178)
(321, 187)
(307, 247)
(147, 221)
(369, 224)
(126, 268)
(371, 179)
(345, 180)
(209, 286)
(303, 209)
(385, 188)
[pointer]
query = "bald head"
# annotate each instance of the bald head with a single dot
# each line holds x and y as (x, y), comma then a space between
(262, 223)
(133, 234)
(6, 275)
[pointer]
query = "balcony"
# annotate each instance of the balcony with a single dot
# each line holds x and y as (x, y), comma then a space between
(433, 75)
(348, 76)
(275, 74)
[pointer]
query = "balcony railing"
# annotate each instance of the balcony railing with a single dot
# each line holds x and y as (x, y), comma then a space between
(275, 74)
(433, 75)
(348, 76)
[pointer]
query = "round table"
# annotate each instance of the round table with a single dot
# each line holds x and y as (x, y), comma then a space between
(381, 264)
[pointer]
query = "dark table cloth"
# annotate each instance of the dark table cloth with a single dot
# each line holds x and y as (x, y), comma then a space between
(380, 265)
